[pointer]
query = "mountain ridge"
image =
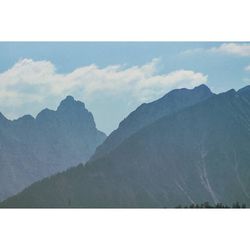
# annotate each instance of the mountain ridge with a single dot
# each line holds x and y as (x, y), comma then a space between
(198, 154)
(147, 113)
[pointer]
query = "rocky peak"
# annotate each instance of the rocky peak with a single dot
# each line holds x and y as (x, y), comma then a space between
(70, 104)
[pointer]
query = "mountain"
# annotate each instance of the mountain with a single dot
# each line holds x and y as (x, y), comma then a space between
(198, 154)
(147, 113)
(34, 148)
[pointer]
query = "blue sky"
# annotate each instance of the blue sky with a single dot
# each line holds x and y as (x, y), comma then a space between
(113, 78)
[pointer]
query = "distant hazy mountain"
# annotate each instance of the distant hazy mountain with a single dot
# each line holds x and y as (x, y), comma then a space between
(34, 148)
(201, 153)
(148, 113)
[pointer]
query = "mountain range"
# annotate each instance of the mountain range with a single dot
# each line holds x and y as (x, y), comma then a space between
(34, 148)
(191, 146)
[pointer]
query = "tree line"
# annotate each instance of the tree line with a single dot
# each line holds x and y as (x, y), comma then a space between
(218, 205)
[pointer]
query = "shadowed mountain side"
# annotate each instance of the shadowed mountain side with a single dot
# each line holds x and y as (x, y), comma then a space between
(148, 113)
(199, 154)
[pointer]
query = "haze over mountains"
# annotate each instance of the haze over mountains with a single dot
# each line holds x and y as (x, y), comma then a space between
(190, 152)
(34, 148)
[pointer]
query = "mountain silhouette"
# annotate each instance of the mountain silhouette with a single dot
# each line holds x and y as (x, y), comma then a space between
(200, 153)
(34, 148)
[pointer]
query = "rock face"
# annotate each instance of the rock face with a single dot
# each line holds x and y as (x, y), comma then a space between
(150, 112)
(34, 148)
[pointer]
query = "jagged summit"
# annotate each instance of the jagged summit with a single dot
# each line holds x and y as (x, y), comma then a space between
(199, 87)
(68, 107)
(69, 103)
(203, 88)
(69, 98)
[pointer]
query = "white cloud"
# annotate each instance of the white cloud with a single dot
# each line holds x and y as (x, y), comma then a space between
(31, 82)
(192, 51)
(247, 68)
(238, 49)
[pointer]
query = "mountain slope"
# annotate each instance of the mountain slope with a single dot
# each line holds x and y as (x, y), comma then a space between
(148, 113)
(199, 154)
(32, 149)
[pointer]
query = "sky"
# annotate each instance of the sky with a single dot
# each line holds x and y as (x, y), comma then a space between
(113, 78)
